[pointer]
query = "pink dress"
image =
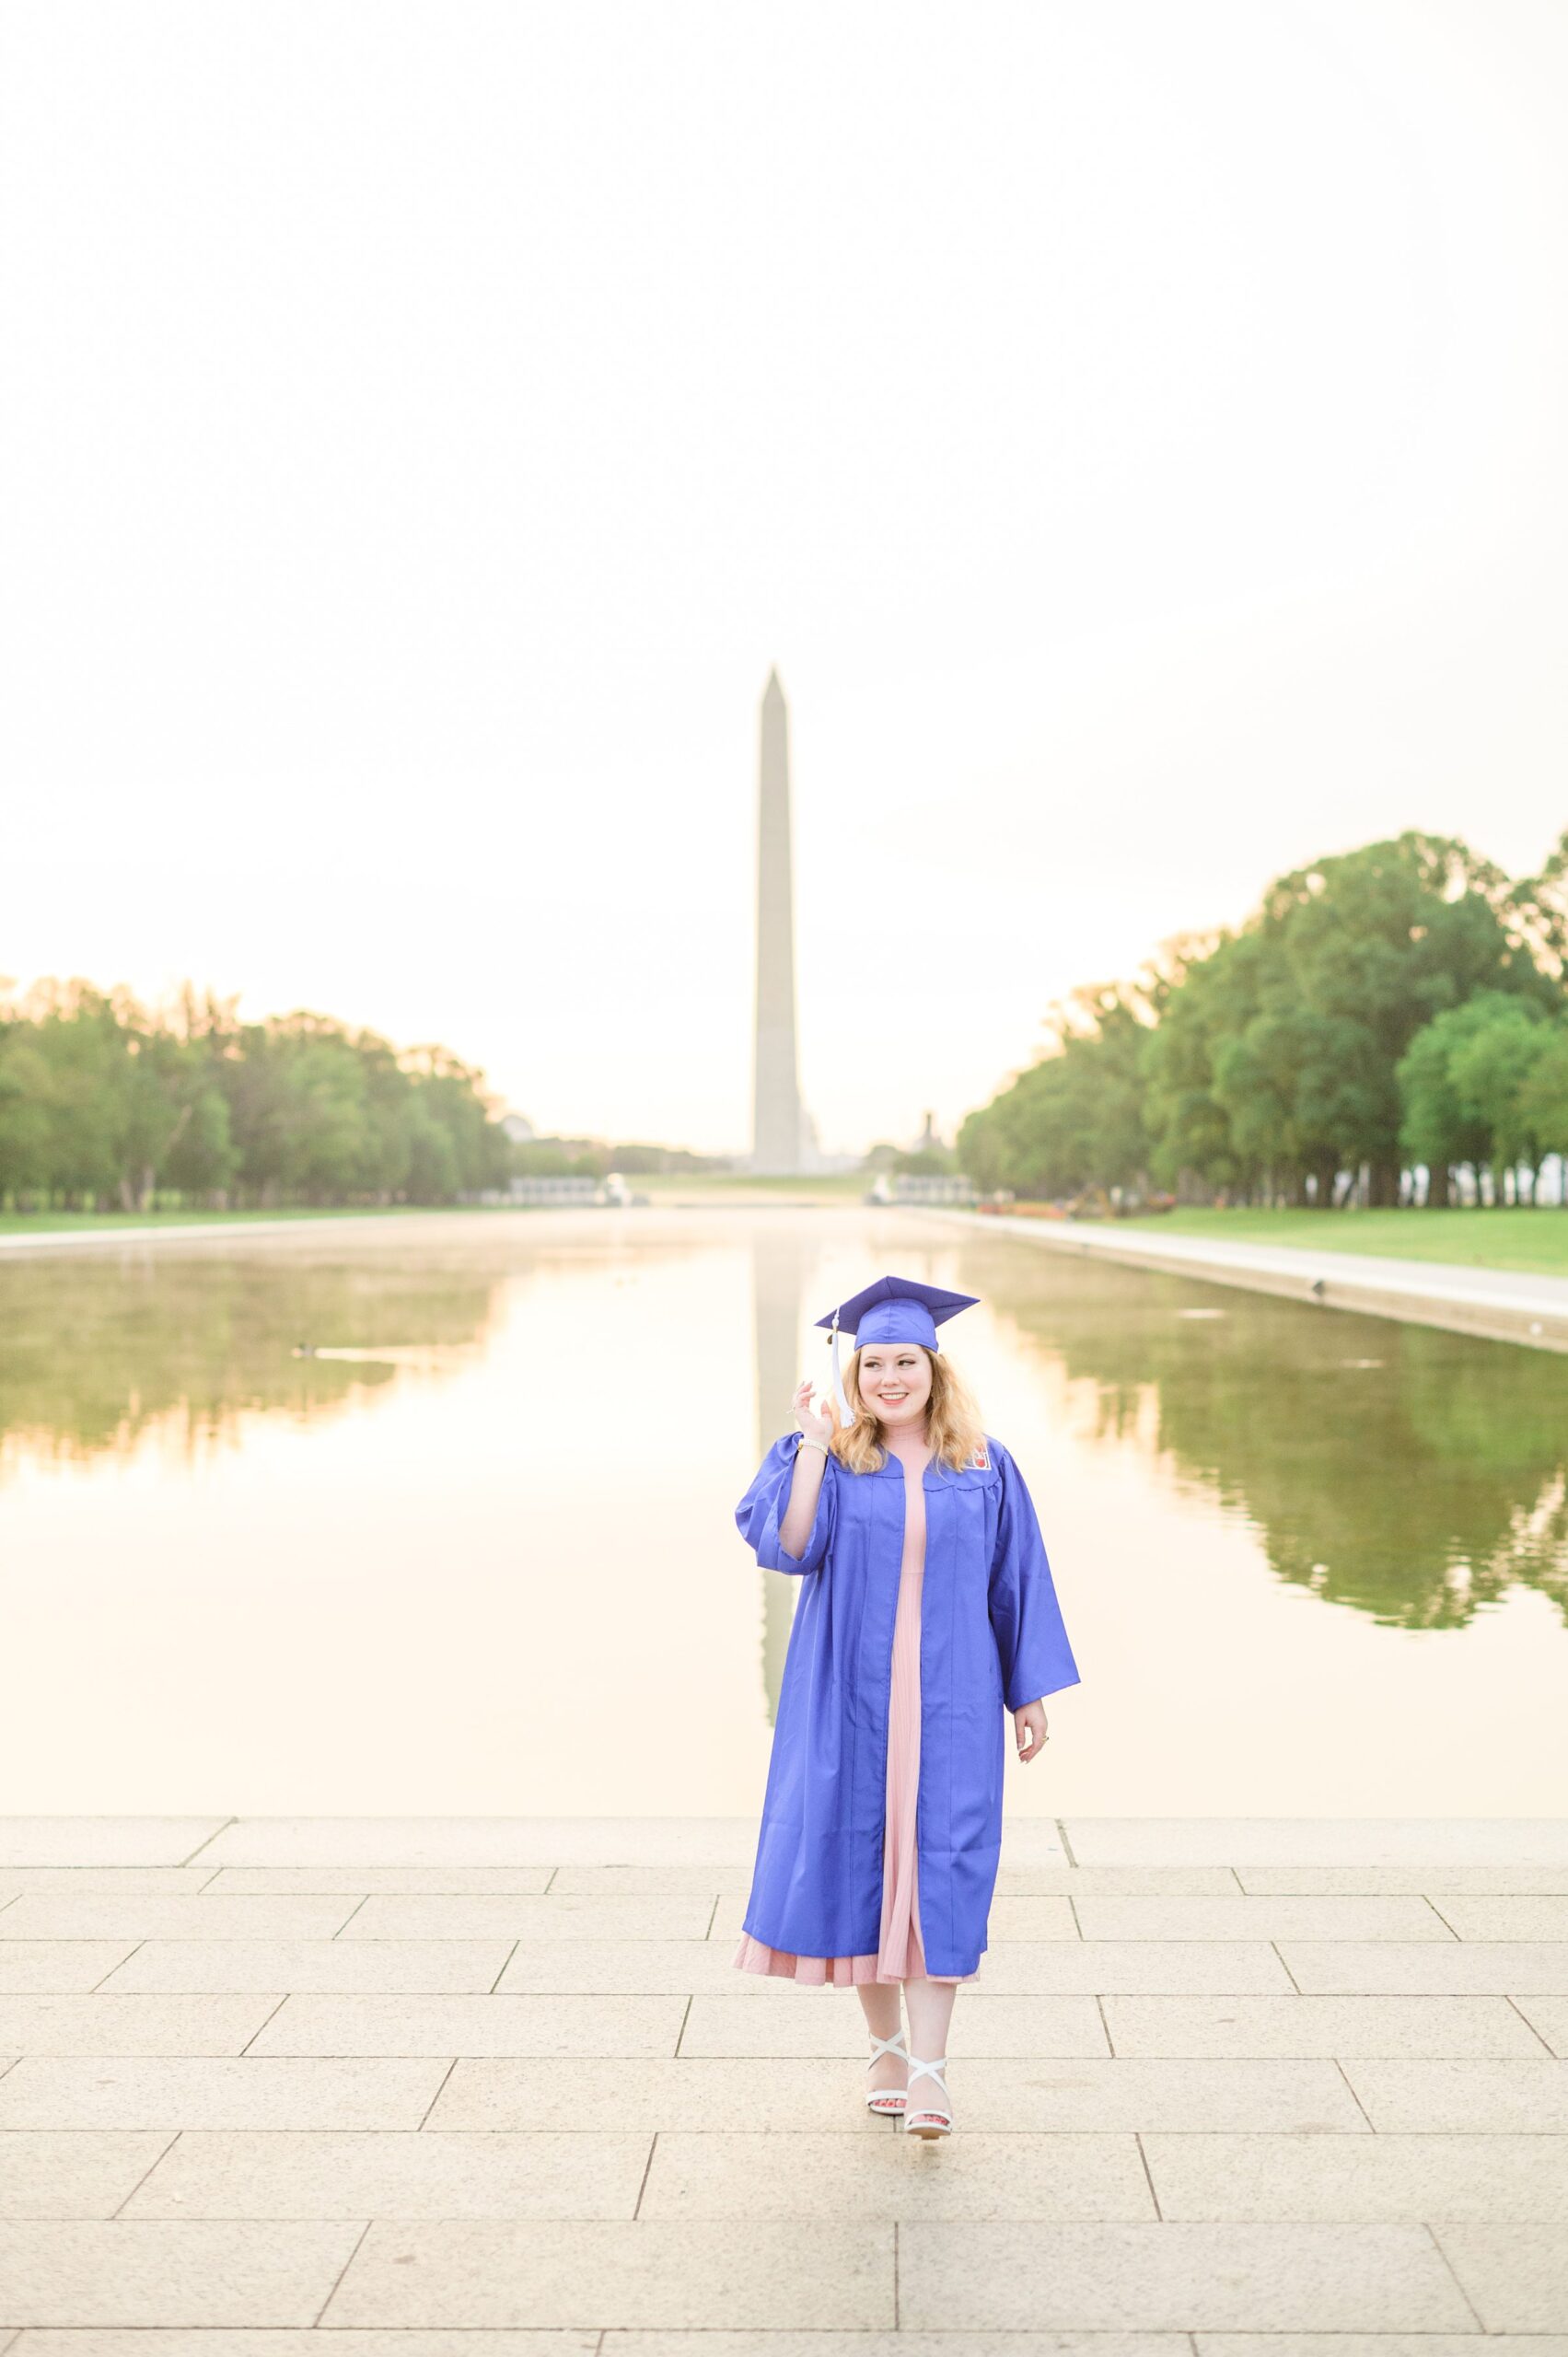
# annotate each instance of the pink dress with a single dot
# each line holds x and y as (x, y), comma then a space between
(899, 1955)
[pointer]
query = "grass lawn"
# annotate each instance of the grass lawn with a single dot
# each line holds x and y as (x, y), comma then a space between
(46, 1222)
(835, 1187)
(825, 1186)
(1502, 1238)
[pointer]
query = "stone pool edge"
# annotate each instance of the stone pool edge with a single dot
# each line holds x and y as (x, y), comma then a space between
(1493, 1305)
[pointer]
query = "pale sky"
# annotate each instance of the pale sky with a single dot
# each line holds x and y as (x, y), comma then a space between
(1136, 433)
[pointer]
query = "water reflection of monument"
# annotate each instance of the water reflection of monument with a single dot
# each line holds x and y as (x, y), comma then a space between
(781, 1260)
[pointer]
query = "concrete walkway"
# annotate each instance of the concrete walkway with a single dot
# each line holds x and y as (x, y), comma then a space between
(491, 2086)
(1503, 1305)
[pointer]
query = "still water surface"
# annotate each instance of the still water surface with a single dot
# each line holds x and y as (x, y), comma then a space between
(477, 1554)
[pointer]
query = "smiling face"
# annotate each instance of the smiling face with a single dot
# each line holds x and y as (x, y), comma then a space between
(895, 1383)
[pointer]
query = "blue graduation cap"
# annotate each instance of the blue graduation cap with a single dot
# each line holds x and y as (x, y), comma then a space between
(893, 1309)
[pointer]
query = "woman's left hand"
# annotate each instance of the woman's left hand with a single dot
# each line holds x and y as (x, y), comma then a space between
(1032, 1717)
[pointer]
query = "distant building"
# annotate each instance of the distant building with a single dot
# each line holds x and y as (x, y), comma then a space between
(565, 1186)
(921, 1187)
(518, 1129)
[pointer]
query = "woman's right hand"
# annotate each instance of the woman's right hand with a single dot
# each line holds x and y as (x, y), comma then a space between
(815, 1425)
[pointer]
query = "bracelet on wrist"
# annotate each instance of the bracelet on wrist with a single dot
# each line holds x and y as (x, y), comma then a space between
(806, 1442)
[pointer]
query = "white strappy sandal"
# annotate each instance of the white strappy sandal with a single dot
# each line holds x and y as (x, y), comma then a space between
(935, 2119)
(886, 2099)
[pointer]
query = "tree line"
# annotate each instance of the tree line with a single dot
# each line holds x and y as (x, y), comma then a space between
(104, 1105)
(1402, 1006)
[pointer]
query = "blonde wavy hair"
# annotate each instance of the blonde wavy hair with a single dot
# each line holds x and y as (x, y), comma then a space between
(952, 1420)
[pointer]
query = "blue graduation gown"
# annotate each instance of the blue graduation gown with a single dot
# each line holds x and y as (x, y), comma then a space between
(991, 1639)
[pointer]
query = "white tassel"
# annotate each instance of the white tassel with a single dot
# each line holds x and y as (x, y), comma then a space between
(846, 1417)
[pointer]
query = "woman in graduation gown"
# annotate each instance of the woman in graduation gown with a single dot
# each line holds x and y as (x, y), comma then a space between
(927, 1613)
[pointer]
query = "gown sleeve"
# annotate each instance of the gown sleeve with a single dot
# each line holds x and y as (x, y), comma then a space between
(1031, 1641)
(764, 1507)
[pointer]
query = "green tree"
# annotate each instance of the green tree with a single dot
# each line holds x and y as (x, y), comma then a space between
(1192, 1147)
(1075, 1119)
(1435, 1125)
(1464, 1081)
(1378, 941)
(1490, 1068)
(1543, 1094)
(102, 1101)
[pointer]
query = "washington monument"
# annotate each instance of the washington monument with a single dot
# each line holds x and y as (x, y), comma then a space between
(781, 1135)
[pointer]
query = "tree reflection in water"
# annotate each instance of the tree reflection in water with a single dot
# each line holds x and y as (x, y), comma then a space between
(1411, 1473)
(98, 1354)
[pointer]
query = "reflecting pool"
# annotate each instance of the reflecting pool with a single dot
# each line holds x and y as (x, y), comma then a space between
(434, 1515)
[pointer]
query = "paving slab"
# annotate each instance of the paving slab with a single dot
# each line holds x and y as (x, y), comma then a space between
(795, 2096)
(1475, 2097)
(532, 1919)
(189, 2092)
(897, 2344)
(1006, 2097)
(114, 1882)
(1182, 2277)
(713, 1879)
(309, 1966)
(274, 2174)
(1243, 1918)
(1547, 2017)
(612, 1968)
(39, 1915)
(485, 1841)
(1033, 1842)
(103, 1840)
(1024, 2094)
(1116, 1882)
(130, 2272)
(1033, 2027)
(1428, 1967)
(1045, 1967)
(1027, 1918)
(710, 1879)
(746, 2174)
(487, 2026)
(664, 2272)
(1343, 2027)
(398, 1882)
(1390, 1882)
(106, 2025)
(1516, 1917)
(1373, 2177)
(45, 2174)
(1516, 2276)
(1043, 2094)
(285, 2342)
(62, 1966)
(1244, 1842)
(638, 1842)
(1379, 2344)
(1013, 1918)
(1102, 1967)
(767, 2343)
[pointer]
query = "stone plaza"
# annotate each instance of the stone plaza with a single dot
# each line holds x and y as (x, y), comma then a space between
(449, 2087)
